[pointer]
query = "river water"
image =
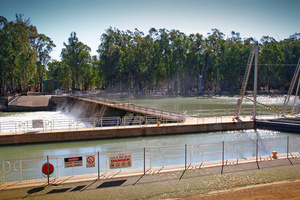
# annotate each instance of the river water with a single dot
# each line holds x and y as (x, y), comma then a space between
(177, 104)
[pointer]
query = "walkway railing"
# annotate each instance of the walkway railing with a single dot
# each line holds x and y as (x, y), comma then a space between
(81, 123)
(98, 165)
(191, 117)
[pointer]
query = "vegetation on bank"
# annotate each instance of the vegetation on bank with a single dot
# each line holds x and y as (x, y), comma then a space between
(130, 61)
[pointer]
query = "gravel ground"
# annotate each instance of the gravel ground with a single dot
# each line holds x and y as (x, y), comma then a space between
(276, 179)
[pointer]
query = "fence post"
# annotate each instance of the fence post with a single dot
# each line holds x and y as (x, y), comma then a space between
(257, 153)
(98, 155)
(222, 157)
(144, 161)
(48, 170)
(287, 147)
(185, 157)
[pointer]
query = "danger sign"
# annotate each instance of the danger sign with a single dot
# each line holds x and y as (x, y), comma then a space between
(120, 160)
(90, 161)
(73, 162)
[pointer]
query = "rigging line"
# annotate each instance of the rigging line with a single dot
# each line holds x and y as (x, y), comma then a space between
(286, 65)
(277, 65)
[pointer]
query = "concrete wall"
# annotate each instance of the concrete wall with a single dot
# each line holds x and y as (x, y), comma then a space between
(30, 138)
(276, 126)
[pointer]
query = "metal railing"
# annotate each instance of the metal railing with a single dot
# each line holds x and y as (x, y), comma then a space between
(194, 116)
(81, 123)
(148, 160)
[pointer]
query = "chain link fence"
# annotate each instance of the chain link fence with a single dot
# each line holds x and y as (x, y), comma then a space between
(104, 165)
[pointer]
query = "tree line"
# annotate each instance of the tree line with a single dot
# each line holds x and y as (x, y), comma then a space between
(24, 56)
(167, 61)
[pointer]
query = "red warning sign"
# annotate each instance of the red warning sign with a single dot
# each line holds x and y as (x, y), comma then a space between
(45, 169)
(90, 161)
(120, 160)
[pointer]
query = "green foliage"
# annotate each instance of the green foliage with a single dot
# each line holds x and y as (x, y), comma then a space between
(171, 61)
(167, 61)
(24, 55)
(77, 60)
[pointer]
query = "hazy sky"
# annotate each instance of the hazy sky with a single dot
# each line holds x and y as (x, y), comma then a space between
(89, 18)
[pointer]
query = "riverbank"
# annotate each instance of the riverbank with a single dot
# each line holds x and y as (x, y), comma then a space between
(202, 183)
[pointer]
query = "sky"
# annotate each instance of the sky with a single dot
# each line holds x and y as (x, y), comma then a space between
(90, 18)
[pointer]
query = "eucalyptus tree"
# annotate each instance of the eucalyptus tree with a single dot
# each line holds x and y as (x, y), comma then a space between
(76, 56)
(60, 71)
(214, 50)
(235, 58)
(25, 55)
(110, 54)
(6, 51)
(291, 51)
(165, 51)
(272, 54)
(18, 56)
(157, 70)
(194, 62)
(43, 46)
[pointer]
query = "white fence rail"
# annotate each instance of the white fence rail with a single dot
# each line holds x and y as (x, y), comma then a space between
(197, 117)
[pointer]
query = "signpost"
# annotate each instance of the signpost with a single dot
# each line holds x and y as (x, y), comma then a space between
(120, 160)
(90, 161)
(73, 162)
(47, 169)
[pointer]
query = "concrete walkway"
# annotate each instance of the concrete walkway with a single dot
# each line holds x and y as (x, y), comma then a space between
(188, 121)
(178, 184)
(294, 158)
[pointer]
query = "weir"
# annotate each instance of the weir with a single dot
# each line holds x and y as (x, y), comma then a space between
(86, 107)
(165, 123)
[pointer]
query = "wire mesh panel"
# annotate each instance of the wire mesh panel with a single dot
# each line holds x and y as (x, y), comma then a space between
(4, 171)
(108, 164)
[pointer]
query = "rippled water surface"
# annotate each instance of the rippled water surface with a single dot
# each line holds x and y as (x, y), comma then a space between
(179, 104)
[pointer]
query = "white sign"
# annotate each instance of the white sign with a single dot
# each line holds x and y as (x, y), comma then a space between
(90, 161)
(38, 123)
(73, 162)
(120, 160)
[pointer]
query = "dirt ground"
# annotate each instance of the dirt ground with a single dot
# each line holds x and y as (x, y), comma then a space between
(273, 191)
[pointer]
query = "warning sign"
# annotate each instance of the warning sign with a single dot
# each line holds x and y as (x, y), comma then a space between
(120, 160)
(90, 161)
(73, 162)
(47, 168)
(38, 123)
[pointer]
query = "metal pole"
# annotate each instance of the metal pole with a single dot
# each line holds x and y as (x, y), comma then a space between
(257, 153)
(255, 80)
(222, 157)
(48, 170)
(185, 155)
(98, 165)
(297, 90)
(287, 147)
(144, 161)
